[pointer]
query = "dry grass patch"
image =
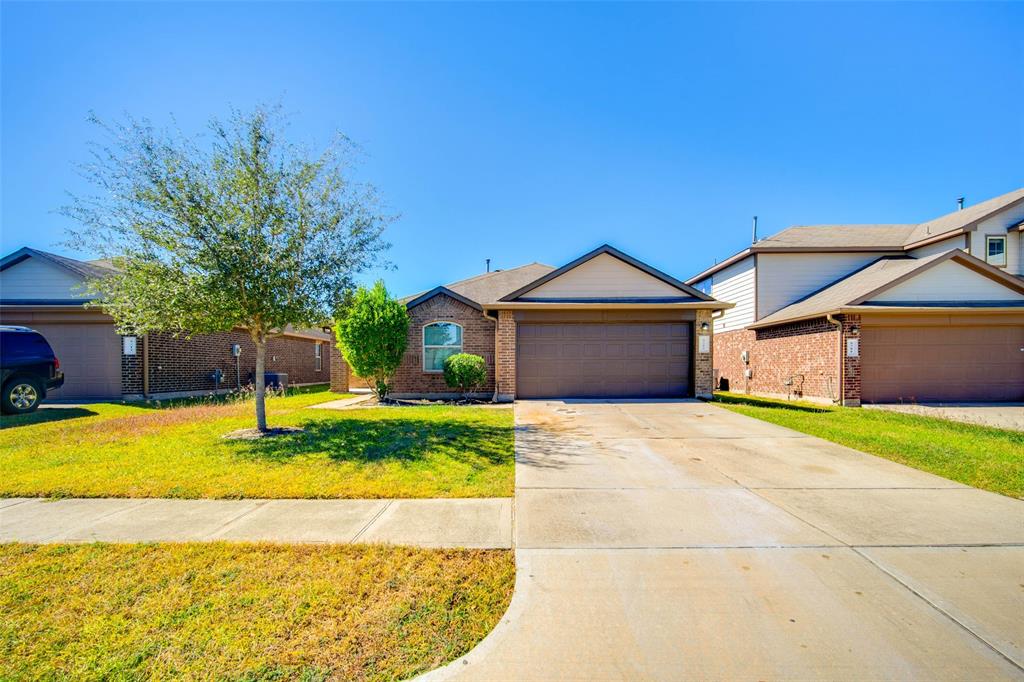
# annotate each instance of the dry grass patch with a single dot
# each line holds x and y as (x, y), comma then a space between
(243, 611)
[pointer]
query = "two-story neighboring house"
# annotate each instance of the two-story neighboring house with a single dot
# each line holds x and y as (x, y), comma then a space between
(878, 313)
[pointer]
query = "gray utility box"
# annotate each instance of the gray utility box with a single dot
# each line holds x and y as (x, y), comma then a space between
(272, 379)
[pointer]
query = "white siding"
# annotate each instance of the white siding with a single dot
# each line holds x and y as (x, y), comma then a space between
(604, 276)
(783, 278)
(997, 226)
(949, 281)
(956, 242)
(34, 278)
(735, 284)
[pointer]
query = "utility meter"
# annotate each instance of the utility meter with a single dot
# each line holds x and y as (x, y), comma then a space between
(236, 350)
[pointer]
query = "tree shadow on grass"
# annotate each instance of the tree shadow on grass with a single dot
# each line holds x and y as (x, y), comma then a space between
(375, 440)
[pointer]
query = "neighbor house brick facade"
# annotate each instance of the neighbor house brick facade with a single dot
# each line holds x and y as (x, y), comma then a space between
(877, 313)
(44, 291)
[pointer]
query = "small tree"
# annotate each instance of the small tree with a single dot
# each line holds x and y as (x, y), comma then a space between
(239, 230)
(372, 336)
(465, 371)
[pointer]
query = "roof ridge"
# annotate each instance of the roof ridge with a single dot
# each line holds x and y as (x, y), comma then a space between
(494, 272)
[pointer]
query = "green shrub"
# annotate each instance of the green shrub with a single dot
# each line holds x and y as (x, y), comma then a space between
(465, 372)
(372, 336)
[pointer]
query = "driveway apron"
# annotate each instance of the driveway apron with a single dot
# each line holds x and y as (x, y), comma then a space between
(668, 540)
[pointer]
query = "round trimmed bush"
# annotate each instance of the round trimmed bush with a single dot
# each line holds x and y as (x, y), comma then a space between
(465, 372)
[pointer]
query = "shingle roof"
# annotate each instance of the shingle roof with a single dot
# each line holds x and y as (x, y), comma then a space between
(965, 218)
(87, 269)
(895, 237)
(840, 236)
(861, 284)
(490, 286)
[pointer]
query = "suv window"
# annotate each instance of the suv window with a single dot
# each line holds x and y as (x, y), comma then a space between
(19, 345)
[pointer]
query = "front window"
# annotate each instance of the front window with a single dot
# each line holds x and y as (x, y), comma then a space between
(995, 251)
(440, 340)
(318, 356)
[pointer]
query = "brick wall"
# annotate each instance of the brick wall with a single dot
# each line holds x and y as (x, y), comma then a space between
(341, 376)
(804, 352)
(505, 347)
(703, 371)
(131, 369)
(851, 365)
(184, 365)
(477, 338)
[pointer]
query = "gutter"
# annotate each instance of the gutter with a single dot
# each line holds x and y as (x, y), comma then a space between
(698, 305)
(876, 309)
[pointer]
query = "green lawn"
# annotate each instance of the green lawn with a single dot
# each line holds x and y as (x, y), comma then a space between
(243, 611)
(980, 456)
(126, 450)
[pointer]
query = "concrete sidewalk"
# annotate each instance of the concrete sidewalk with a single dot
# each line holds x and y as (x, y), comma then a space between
(476, 523)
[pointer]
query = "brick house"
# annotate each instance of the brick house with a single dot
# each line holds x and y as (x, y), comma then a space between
(44, 291)
(878, 313)
(604, 325)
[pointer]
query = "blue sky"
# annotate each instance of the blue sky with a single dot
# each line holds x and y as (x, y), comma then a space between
(525, 132)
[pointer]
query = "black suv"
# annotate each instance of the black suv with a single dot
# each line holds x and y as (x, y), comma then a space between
(28, 369)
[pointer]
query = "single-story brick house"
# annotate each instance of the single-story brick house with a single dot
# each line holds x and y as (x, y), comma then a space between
(44, 291)
(604, 325)
(924, 312)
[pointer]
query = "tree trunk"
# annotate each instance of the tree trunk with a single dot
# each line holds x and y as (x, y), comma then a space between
(261, 386)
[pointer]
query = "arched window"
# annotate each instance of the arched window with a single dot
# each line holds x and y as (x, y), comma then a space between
(440, 340)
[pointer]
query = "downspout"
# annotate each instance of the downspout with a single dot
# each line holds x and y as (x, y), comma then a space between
(145, 366)
(842, 369)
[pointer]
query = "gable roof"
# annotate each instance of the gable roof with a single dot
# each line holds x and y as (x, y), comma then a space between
(427, 295)
(84, 269)
(875, 278)
(484, 288)
(615, 253)
(896, 238)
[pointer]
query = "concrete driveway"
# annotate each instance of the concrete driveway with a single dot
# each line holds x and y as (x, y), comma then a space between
(999, 415)
(677, 540)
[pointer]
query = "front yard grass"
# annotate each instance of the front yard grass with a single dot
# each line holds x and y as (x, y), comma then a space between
(243, 611)
(125, 450)
(980, 456)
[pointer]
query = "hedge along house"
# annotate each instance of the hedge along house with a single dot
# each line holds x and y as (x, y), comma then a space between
(878, 313)
(44, 291)
(605, 325)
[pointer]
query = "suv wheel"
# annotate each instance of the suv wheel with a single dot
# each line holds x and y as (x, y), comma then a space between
(21, 395)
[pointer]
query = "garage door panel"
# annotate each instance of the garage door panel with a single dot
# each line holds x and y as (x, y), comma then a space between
(942, 363)
(90, 356)
(603, 360)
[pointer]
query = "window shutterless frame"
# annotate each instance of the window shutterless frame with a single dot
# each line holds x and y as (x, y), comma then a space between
(455, 346)
(318, 354)
(995, 250)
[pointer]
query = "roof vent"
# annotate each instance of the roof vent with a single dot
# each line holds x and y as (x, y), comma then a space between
(960, 203)
(753, 238)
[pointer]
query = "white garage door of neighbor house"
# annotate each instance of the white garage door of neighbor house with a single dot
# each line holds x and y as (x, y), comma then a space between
(90, 356)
